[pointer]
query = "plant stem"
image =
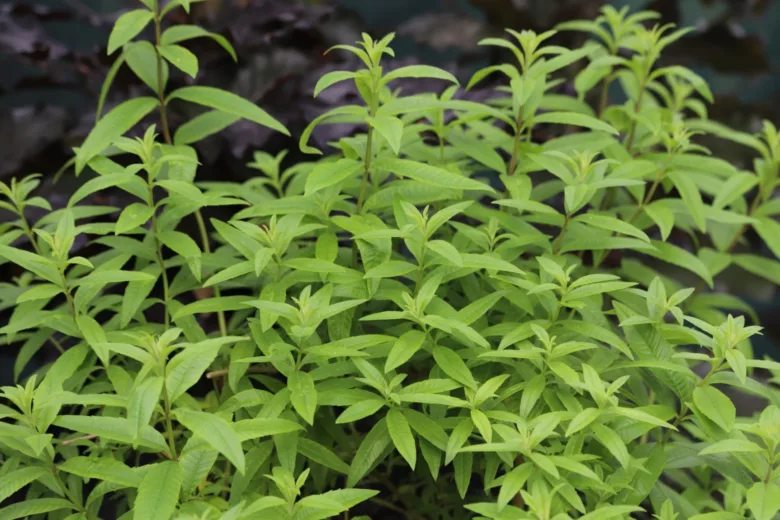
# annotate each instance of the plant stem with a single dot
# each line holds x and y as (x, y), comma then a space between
(168, 424)
(557, 243)
(512, 165)
(204, 239)
(637, 106)
(160, 86)
(158, 250)
(166, 130)
(604, 94)
(363, 186)
(641, 207)
(366, 169)
(68, 296)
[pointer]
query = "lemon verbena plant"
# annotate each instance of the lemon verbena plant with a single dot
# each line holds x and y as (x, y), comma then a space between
(441, 318)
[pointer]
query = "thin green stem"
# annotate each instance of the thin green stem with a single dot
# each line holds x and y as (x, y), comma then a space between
(160, 85)
(641, 207)
(637, 106)
(559, 239)
(204, 239)
(512, 165)
(65, 491)
(68, 296)
(604, 97)
(158, 251)
(168, 423)
(366, 169)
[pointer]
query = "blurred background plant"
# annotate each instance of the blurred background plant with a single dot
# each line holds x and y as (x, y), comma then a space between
(53, 60)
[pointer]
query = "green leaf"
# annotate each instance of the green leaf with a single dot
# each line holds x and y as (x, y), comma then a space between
(418, 71)
(736, 186)
(183, 245)
(202, 126)
(158, 493)
(261, 427)
(331, 78)
(391, 269)
(769, 230)
(98, 184)
(575, 119)
(763, 499)
(360, 410)
(142, 402)
(404, 348)
(181, 58)
(112, 126)
(112, 429)
(141, 57)
(715, 405)
(217, 432)
(759, 266)
(36, 506)
(39, 292)
(391, 128)
(732, 446)
(102, 468)
(691, 196)
(612, 224)
(513, 483)
(452, 365)
(327, 174)
(662, 216)
(401, 434)
(94, 335)
(607, 512)
(227, 102)
(582, 420)
(186, 368)
(13, 481)
(127, 27)
(215, 304)
(321, 455)
(678, 256)
(612, 441)
(428, 174)
(303, 395)
(369, 452)
(180, 33)
(132, 216)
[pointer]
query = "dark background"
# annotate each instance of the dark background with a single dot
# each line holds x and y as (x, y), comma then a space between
(53, 60)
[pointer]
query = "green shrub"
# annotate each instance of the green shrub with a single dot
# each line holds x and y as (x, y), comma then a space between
(425, 324)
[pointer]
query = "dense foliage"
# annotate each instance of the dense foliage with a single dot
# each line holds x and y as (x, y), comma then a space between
(432, 322)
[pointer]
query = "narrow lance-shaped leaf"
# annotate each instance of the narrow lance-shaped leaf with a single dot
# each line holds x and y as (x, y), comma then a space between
(227, 102)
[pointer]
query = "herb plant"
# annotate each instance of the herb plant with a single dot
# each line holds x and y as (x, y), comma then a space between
(441, 319)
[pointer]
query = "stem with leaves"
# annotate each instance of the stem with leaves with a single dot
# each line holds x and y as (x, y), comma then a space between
(158, 251)
(166, 130)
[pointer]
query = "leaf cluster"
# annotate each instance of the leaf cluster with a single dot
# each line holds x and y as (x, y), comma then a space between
(423, 322)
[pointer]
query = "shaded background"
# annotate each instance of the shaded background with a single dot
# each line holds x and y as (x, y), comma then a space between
(53, 60)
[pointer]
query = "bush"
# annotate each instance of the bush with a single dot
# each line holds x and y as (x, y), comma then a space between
(425, 324)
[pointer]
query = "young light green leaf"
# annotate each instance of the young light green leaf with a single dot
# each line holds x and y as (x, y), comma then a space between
(158, 492)
(181, 58)
(217, 432)
(112, 126)
(127, 27)
(404, 348)
(715, 405)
